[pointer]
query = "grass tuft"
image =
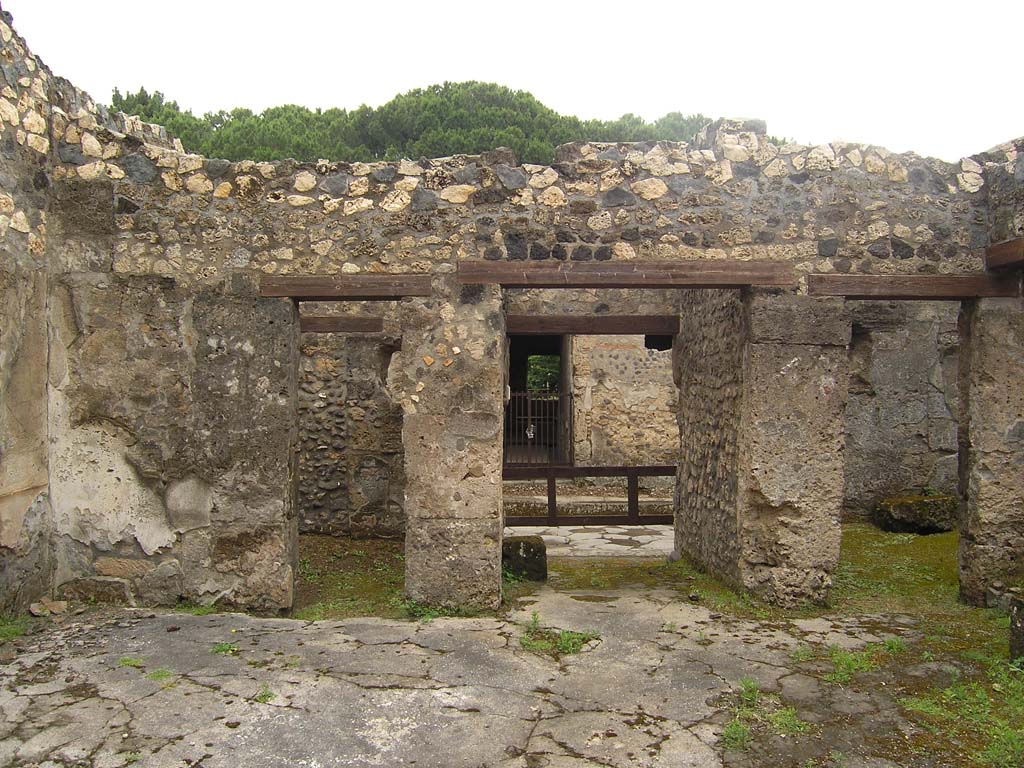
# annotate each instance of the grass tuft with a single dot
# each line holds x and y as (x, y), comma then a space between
(552, 642)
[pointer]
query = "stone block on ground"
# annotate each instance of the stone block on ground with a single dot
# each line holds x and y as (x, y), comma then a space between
(525, 557)
(916, 513)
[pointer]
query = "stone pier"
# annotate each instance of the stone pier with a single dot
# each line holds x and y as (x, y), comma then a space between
(450, 380)
(991, 445)
(762, 390)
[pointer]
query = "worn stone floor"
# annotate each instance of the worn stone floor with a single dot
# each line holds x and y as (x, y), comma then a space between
(656, 688)
(602, 540)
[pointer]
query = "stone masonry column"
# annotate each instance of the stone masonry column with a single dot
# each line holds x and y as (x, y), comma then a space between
(991, 436)
(450, 380)
(790, 449)
(762, 388)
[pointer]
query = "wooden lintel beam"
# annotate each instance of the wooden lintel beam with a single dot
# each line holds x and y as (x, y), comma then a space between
(594, 325)
(703, 273)
(1003, 255)
(913, 287)
(375, 287)
(340, 324)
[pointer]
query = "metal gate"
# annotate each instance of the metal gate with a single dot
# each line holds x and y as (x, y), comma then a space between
(538, 429)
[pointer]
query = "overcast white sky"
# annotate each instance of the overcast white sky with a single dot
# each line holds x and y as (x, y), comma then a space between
(938, 78)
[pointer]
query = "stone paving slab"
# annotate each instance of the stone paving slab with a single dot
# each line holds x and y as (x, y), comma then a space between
(228, 690)
(654, 541)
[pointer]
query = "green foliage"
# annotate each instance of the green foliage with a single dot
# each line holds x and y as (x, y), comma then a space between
(225, 649)
(437, 121)
(845, 664)
(543, 372)
(735, 736)
(551, 642)
(756, 710)
(989, 711)
(802, 654)
(130, 661)
(12, 627)
(786, 722)
(265, 695)
(160, 673)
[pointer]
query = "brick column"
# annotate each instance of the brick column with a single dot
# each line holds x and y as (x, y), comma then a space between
(991, 437)
(450, 380)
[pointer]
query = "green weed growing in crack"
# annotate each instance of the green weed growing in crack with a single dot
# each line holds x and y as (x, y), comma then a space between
(427, 613)
(131, 662)
(131, 758)
(757, 710)
(736, 736)
(895, 645)
(551, 642)
(802, 653)
(845, 664)
(224, 649)
(160, 674)
(265, 695)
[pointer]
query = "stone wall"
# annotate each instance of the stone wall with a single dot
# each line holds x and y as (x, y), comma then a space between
(95, 208)
(790, 455)
(1003, 170)
(624, 402)
(708, 367)
(901, 417)
(991, 446)
(172, 421)
(25, 515)
(351, 466)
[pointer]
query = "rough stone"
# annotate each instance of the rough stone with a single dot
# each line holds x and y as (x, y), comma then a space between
(916, 513)
(525, 557)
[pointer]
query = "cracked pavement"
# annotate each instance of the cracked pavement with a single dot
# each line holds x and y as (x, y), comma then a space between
(144, 688)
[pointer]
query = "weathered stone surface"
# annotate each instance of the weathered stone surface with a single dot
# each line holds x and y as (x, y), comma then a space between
(901, 416)
(452, 434)
(525, 557)
(351, 470)
(760, 413)
(144, 381)
(124, 425)
(992, 441)
(916, 513)
(453, 692)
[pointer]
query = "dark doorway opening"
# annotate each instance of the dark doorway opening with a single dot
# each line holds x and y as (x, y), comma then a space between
(538, 416)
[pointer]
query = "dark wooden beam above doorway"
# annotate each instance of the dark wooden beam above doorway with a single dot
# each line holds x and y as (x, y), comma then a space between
(594, 325)
(340, 324)
(345, 287)
(703, 273)
(914, 287)
(1005, 255)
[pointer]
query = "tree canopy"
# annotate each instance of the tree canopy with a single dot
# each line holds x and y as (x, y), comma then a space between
(437, 121)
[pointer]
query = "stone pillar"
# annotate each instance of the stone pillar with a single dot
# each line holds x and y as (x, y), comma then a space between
(450, 380)
(991, 445)
(790, 458)
(762, 389)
